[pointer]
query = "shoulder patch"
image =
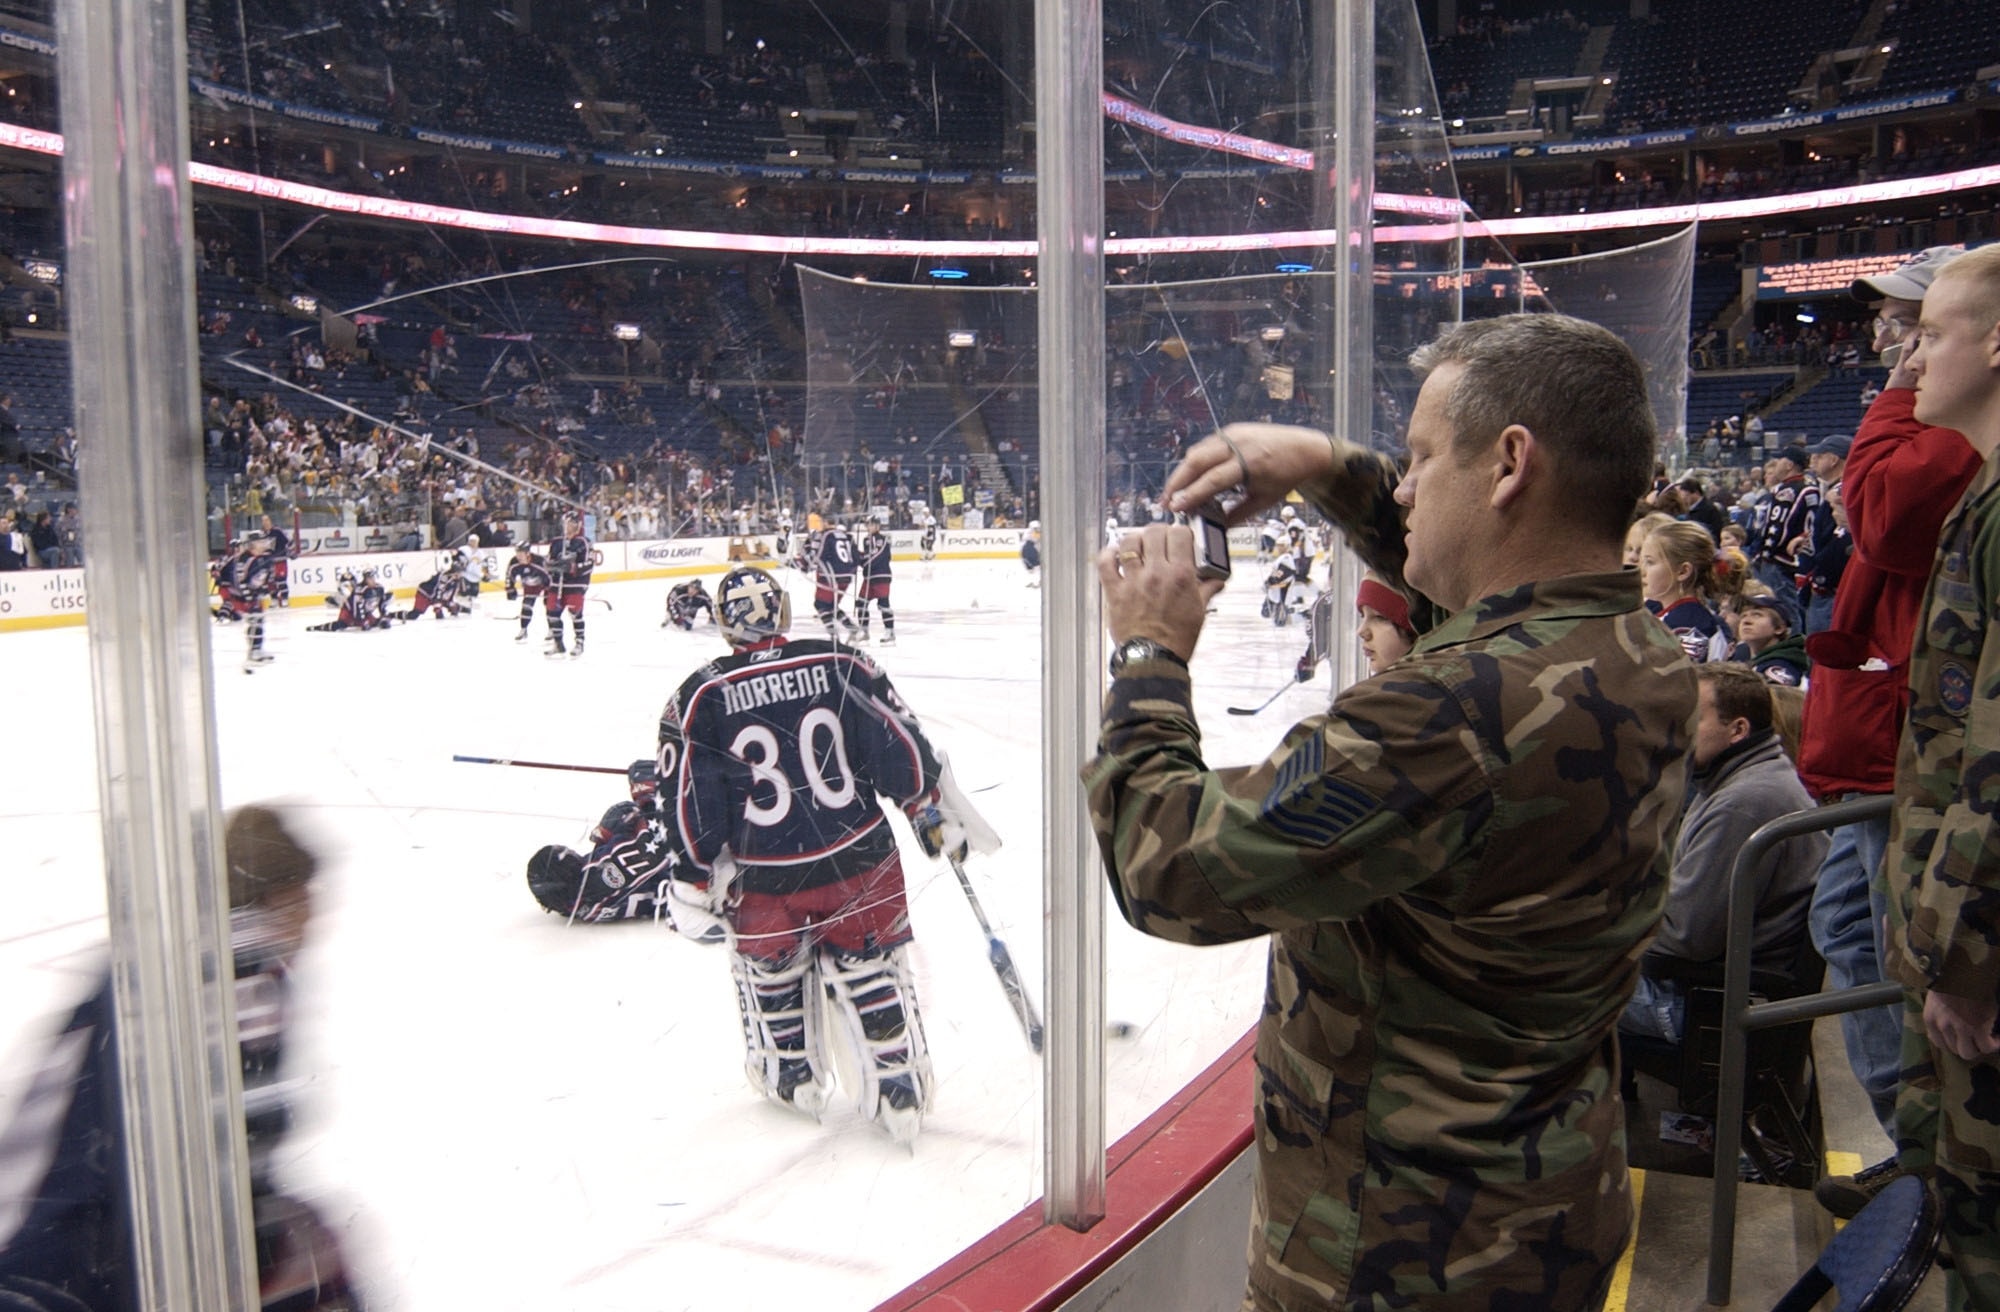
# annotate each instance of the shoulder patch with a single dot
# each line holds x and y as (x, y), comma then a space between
(1306, 806)
(1954, 688)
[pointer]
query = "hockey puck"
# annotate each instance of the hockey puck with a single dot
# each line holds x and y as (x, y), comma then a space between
(1121, 1029)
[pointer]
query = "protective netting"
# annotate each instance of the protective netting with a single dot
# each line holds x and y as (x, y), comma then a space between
(1642, 294)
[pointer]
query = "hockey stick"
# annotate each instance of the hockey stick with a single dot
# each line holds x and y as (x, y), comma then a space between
(602, 602)
(538, 765)
(1003, 964)
(1252, 710)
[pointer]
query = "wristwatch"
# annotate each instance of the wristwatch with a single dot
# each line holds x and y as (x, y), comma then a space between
(1141, 649)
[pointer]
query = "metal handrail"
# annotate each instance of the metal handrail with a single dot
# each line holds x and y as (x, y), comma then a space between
(1740, 1017)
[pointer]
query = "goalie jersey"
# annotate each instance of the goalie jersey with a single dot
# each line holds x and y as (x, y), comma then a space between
(785, 746)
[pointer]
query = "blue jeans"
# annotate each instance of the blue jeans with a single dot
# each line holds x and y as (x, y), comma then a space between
(1657, 1010)
(1846, 921)
(1819, 613)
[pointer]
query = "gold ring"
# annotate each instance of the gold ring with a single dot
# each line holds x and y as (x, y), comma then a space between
(1130, 555)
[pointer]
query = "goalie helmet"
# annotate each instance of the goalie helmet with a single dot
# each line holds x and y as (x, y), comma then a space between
(555, 877)
(642, 777)
(750, 606)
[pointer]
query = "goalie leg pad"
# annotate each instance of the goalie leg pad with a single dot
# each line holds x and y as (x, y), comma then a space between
(873, 1003)
(783, 1058)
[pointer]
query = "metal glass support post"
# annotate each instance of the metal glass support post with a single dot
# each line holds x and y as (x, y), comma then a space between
(1069, 76)
(129, 225)
(1352, 189)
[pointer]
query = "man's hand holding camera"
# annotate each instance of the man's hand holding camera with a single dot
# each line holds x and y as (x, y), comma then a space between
(1151, 589)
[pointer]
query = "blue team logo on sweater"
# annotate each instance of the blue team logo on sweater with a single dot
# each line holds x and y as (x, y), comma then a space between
(1954, 688)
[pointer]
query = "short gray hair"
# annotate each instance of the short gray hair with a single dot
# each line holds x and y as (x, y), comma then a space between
(1572, 384)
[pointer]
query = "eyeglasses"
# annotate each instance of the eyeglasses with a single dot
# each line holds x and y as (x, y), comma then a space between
(1894, 327)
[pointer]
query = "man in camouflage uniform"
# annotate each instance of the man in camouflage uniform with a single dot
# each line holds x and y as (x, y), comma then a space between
(1943, 865)
(1461, 862)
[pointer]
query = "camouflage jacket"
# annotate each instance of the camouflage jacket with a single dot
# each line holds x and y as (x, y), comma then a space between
(1943, 865)
(1462, 862)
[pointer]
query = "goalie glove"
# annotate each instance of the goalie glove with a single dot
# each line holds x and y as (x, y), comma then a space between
(938, 834)
(513, 594)
(688, 907)
(946, 822)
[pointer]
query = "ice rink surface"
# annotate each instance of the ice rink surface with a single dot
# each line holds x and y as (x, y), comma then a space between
(501, 1111)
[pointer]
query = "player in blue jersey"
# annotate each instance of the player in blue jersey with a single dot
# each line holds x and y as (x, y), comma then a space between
(833, 571)
(527, 580)
(244, 584)
(624, 875)
(363, 602)
(687, 602)
(439, 594)
(571, 558)
(876, 576)
(778, 753)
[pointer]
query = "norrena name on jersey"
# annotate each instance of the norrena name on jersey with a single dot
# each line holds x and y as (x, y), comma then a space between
(777, 686)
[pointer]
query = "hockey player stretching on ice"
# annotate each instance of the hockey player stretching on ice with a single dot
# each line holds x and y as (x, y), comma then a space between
(686, 601)
(527, 580)
(875, 580)
(624, 877)
(778, 753)
(571, 558)
(439, 593)
(363, 602)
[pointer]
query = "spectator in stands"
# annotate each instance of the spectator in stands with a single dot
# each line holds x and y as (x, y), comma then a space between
(1768, 639)
(1742, 780)
(45, 541)
(1901, 479)
(1942, 870)
(13, 543)
(1823, 549)
(69, 530)
(1691, 500)
(10, 430)
(1786, 517)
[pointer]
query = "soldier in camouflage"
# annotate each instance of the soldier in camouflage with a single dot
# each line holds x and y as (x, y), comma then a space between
(1943, 863)
(1460, 863)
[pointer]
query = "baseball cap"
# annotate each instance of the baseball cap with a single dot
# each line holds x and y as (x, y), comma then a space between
(1772, 602)
(1834, 444)
(1908, 281)
(1796, 453)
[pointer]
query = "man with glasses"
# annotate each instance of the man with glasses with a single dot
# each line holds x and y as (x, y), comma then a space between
(1901, 479)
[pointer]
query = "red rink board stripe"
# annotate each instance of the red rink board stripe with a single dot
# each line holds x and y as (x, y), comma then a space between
(1025, 1265)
